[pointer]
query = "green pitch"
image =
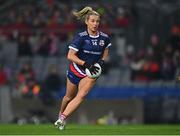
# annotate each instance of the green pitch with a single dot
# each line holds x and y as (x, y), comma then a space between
(73, 129)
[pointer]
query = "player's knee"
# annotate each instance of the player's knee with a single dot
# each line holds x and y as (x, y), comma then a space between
(68, 98)
(81, 97)
(92, 80)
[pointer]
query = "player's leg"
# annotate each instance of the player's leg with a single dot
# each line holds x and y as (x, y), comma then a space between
(70, 94)
(85, 85)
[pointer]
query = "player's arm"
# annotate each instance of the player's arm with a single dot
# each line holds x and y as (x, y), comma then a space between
(105, 54)
(72, 56)
(104, 57)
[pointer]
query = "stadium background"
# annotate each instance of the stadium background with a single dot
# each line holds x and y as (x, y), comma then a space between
(139, 85)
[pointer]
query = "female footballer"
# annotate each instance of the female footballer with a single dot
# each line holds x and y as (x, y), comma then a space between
(87, 48)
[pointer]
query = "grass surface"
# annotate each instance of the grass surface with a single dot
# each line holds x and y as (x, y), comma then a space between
(72, 129)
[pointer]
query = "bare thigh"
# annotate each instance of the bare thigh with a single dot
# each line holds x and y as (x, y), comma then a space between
(85, 85)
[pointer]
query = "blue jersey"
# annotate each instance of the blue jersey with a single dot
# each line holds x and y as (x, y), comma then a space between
(89, 48)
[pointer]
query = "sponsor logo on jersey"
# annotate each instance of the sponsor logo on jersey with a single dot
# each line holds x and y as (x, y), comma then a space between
(92, 52)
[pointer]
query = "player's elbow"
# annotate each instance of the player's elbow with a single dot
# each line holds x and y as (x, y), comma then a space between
(69, 56)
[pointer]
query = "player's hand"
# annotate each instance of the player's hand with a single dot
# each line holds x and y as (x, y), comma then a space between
(93, 69)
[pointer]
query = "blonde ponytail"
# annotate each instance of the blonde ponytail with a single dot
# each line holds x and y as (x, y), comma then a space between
(85, 13)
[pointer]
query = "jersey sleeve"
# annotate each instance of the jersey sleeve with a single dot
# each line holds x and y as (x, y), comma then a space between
(108, 42)
(76, 42)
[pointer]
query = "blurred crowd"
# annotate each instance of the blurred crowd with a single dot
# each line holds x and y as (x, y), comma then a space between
(51, 19)
(157, 61)
(44, 28)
